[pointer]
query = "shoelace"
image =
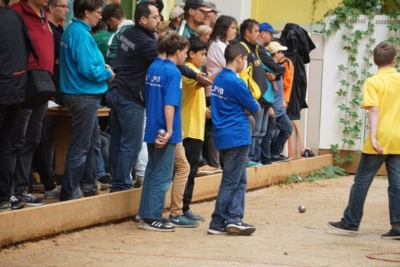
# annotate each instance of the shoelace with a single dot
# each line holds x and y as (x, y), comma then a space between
(30, 196)
(13, 199)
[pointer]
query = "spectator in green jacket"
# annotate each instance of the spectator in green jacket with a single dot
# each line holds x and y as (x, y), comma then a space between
(114, 16)
(101, 37)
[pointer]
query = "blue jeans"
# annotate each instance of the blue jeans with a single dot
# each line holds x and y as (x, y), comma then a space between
(157, 180)
(260, 128)
(126, 129)
(229, 207)
(84, 146)
(285, 127)
(368, 167)
(266, 141)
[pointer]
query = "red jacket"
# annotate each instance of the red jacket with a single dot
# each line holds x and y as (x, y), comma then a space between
(41, 35)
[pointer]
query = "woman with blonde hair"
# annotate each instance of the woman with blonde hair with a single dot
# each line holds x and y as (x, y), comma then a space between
(204, 33)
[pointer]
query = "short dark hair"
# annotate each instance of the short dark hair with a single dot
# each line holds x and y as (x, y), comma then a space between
(233, 50)
(384, 53)
(247, 24)
(175, 42)
(112, 11)
(221, 27)
(161, 41)
(196, 44)
(50, 3)
(142, 10)
(101, 25)
(80, 6)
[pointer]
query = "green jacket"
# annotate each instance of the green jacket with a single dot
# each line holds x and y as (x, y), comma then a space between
(185, 30)
(101, 38)
(112, 44)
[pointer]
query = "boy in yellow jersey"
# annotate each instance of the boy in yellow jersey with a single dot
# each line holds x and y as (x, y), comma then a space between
(382, 99)
(193, 120)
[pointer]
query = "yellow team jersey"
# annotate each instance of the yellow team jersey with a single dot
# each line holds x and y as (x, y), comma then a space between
(193, 107)
(383, 91)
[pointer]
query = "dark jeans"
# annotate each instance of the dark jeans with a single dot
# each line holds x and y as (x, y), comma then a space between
(157, 180)
(260, 128)
(41, 161)
(105, 149)
(229, 206)
(84, 146)
(368, 167)
(127, 119)
(266, 141)
(7, 153)
(26, 138)
(192, 152)
(285, 127)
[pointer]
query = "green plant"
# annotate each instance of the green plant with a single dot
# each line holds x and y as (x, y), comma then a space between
(327, 172)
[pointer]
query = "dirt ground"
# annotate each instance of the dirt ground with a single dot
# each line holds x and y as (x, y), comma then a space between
(284, 237)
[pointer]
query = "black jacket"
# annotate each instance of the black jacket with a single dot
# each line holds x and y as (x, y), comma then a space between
(299, 46)
(14, 53)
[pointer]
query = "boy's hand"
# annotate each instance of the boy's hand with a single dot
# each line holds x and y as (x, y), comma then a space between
(162, 140)
(202, 79)
(112, 77)
(271, 76)
(208, 113)
(271, 112)
(247, 112)
(377, 147)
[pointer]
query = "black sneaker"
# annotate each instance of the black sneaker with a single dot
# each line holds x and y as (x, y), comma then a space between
(342, 227)
(105, 179)
(16, 204)
(240, 228)
(280, 158)
(154, 225)
(30, 200)
(217, 231)
(394, 233)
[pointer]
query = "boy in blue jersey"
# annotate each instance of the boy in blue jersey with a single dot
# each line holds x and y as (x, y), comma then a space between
(163, 111)
(232, 102)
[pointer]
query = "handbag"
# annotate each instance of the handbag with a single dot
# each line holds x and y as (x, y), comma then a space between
(40, 86)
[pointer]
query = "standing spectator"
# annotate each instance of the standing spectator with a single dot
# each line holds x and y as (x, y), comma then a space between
(232, 102)
(195, 14)
(212, 15)
(115, 17)
(204, 33)
(84, 77)
(101, 36)
(13, 66)
(175, 17)
(164, 93)
(382, 145)
(135, 52)
(28, 123)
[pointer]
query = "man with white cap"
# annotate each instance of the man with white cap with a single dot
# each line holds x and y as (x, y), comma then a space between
(175, 17)
(195, 14)
(211, 16)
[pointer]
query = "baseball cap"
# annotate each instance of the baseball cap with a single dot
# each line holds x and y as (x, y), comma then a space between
(196, 4)
(176, 12)
(266, 27)
(212, 6)
(274, 47)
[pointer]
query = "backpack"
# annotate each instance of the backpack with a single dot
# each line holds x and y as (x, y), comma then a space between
(247, 76)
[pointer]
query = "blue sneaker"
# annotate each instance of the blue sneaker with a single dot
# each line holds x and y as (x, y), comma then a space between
(252, 164)
(193, 216)
(182, 221)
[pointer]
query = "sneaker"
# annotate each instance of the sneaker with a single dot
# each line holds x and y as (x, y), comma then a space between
(52, 194)
(139, 182)
(217, 231)
(141, 222)
(154, 225)
(252, 164)
(280, 158)
(240, 228)
(105, 179)
(207, 170)
(30, 200)
(90, 194)
(193, 216)
(16, 204)
(182, 221)
(342, 227)
(394, 233)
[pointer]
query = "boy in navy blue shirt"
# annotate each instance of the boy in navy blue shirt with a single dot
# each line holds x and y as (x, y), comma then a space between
(232, 103)
(163, 111)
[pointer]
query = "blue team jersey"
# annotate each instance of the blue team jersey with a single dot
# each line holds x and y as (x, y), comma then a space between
(229, 96)
(163, 87)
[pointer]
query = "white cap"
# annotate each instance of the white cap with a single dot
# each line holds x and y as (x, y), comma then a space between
(175, 12)
(274, 47)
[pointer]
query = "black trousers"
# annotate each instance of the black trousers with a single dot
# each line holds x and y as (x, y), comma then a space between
(7, 154)
(192, 151)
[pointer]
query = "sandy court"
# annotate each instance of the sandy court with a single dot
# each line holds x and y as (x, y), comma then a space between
(284, 237)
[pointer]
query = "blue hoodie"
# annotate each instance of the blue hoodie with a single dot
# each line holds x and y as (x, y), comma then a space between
(82, 66)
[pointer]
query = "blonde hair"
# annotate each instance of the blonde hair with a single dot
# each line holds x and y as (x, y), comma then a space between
(203, 30)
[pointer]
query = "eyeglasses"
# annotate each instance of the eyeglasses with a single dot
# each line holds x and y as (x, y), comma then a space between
(98, 12)
(62, 6)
